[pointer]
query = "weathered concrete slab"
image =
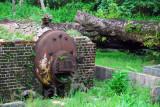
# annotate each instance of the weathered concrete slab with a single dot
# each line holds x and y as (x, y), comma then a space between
(14, 104)
(102, 73)
(152, 70)
(155, 92)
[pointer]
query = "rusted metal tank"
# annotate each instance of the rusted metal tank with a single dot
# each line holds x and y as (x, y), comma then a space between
(56, 58)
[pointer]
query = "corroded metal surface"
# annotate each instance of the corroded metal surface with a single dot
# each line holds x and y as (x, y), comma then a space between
(45, 22)
(55, 58)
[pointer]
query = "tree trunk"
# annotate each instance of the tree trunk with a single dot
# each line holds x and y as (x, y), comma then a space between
(121, 29)
(20, 3)
(42, 5)
(14, 10)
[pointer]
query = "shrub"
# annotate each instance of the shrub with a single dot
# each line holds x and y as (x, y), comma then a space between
(119, 83)
(113, 11)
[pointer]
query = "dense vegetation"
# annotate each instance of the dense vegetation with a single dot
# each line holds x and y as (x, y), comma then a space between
(63, 10)
(117, 92)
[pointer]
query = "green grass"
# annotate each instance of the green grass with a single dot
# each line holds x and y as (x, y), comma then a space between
(39, 103)
(101, 96)
(120, 60)
(63, 14)
(8, 36)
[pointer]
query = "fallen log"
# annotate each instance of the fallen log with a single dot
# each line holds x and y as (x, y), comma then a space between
(121, 30)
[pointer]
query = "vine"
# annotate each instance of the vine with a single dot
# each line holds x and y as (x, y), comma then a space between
(32, 54)
(134, 29)
(153, 42)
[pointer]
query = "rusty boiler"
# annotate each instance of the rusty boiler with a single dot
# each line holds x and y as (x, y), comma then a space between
(56, 58)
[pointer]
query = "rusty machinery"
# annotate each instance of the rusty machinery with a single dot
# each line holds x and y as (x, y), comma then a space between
(56, 58)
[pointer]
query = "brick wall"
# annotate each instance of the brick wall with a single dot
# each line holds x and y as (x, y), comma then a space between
(87, 49)
(16, 71)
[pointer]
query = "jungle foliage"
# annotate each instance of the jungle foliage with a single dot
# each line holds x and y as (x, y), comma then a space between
(132, 9)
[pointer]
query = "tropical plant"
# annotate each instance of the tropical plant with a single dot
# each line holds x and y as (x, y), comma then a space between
(119, 83)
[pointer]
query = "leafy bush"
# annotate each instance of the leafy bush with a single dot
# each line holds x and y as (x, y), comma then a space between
(132, 6)
(103, 4)
(113, 11)
(62, 14)
(119, 83)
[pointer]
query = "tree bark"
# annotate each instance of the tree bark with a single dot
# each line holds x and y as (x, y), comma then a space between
(20, 3)
(14, 10)
(42, 5)
(120, 29)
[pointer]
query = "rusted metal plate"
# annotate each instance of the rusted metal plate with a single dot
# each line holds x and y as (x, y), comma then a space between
(46, 22)
(55, 58)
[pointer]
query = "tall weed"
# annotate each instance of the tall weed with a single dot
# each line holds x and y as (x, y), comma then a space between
(119, 83)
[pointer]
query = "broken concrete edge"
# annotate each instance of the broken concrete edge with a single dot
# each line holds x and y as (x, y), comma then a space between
(14, 104)
(145, 80)
(102, 73)
(152, 70)
(155, 93)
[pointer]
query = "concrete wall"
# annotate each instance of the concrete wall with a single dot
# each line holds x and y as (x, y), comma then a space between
(152, 70)
(102, 73)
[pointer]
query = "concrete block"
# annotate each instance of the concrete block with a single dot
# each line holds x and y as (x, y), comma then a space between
(155, 93)
(152, 70)
(102, 73)
(14, 104)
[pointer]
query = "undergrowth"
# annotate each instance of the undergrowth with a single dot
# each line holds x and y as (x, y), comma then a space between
(9, 36)
(62, 14)
(67, 12)
(115, 92)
